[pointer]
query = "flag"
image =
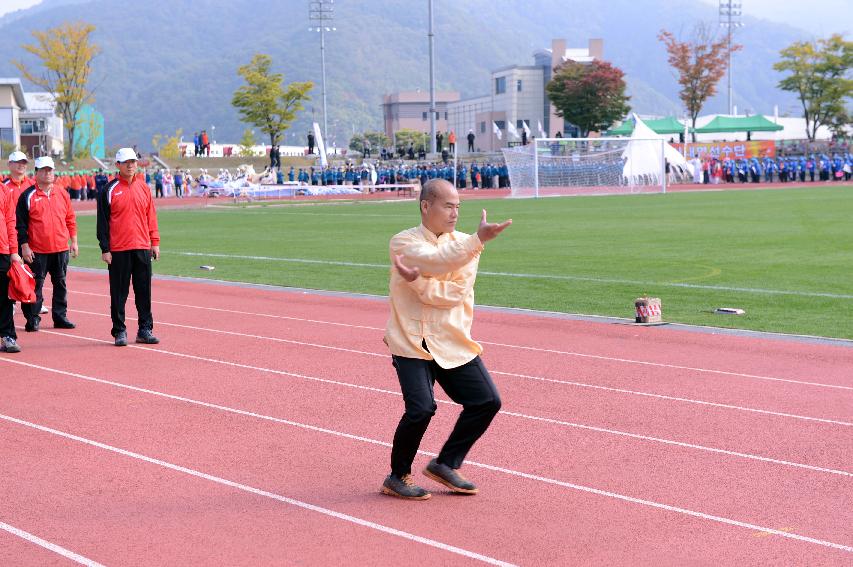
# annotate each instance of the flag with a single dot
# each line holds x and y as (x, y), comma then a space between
(510, 128)
(541, 131)
(321, 147)
(497, 131)
(526, 129)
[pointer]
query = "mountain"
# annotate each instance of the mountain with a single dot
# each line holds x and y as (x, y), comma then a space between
(169, 64)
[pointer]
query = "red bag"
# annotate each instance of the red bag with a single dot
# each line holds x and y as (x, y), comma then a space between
(22, 283)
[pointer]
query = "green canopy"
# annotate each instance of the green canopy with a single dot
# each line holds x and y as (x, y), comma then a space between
(668, 125)
(756, 123)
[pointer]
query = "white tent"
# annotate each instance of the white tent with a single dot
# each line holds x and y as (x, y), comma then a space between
(643, 158)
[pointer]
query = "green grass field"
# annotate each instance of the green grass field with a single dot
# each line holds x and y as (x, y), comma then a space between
(785, 256)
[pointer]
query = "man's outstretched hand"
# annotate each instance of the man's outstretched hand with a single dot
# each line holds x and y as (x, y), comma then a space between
(409, 274)
(489, 231)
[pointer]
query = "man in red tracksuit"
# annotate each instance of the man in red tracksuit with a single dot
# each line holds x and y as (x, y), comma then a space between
(46, 223)
(17, 181)
(8, 254)
(129, 239)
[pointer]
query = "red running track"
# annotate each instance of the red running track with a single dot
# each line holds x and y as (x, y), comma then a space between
(258, 432)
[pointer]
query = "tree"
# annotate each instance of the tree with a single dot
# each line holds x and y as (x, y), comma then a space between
(377, 140)
(820, 76)
(700, 64)
(590, 96)
(407, 136)
(247, 142)
(264, 101)
(66, 53)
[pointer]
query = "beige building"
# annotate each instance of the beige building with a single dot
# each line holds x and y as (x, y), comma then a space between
(12, 102)
(517, 98)
(410, 109)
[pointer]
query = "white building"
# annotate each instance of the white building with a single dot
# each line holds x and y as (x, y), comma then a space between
(42, 131)
(517, 97)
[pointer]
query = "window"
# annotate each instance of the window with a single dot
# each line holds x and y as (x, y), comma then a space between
(7, 135)
(518, 85)
(501, 124)
(425, 116)
(520, 124)
(500, 85)
(482, 127)
(445, 115)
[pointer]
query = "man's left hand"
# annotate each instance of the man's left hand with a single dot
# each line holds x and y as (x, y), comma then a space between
(75, 250)
(155, 252)
(409, 274)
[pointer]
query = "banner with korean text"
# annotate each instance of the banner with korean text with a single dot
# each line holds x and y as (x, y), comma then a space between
(729, 150)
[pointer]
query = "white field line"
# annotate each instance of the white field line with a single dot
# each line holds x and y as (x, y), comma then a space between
(49, 546)
(494, 468)
(645, 284)
(504, 345)
(264, 493)
(539, 378)
(398, 394)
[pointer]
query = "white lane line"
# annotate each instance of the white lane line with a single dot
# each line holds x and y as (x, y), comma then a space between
(538, 378)
(448, 402)
(49, 546)
(511, 472)
(645, 284)
(260, 492)
(505, 345)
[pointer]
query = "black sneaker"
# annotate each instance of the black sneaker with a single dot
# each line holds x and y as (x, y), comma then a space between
(64, 324)
(403, 488)
(8, 344)
(145, 336)
(121, 339)
(450, 478)
(32, 326)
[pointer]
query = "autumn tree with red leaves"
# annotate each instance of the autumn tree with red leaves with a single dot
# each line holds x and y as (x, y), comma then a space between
(590, 96)
(700, 63)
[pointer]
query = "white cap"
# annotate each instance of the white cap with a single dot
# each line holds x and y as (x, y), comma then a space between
(44, 161)
(125, 154)
(18, 156)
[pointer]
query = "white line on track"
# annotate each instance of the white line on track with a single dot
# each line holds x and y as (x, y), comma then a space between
(760, 291)
(50, 546)
(397, 394)
(264, 493)
(494, 468)
(505, 345)
(515, 375)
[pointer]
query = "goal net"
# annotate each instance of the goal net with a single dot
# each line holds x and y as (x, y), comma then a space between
(586, 166)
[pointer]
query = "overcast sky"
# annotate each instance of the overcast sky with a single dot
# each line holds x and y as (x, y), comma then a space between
(820, 17)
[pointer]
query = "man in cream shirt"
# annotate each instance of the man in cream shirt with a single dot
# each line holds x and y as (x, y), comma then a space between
(429, 336)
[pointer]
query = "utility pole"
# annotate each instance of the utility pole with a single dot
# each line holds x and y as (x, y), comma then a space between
(730, 17)
(322, 12)
(431, 36)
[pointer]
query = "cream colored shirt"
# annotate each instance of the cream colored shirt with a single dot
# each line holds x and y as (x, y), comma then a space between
(438, 307)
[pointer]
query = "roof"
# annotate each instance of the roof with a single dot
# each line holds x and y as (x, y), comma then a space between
(17, 90)
(38, 103)
(755, 123)
(668, 125)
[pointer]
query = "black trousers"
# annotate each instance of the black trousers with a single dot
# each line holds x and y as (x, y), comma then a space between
(7, 322)
(127, 266)
(55, 264)
(468, 385)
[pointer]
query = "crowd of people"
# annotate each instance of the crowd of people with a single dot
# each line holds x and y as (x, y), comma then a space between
(783, 169)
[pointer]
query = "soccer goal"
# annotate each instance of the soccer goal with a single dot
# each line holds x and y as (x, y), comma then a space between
(586, 166)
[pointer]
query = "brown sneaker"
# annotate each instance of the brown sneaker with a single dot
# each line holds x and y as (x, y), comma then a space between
(403, 488)
(451, 478)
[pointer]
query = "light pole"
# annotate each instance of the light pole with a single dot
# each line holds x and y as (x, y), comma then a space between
(431, 83)
(322, 12)
(730, 14)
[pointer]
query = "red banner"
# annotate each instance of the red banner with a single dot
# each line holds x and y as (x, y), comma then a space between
(730, 150)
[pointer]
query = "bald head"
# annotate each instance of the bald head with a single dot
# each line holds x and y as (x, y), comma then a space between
(439, 202)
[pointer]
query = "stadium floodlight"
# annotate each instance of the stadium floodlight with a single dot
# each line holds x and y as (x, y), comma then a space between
(587, 166)
(731, 12)
(322, 12)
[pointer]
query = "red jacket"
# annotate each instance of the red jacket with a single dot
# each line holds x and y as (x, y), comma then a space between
(126, 216)
(46, 221)
(17, 188)
(8, 235)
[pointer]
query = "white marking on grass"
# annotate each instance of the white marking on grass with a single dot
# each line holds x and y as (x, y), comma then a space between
(419, 539)
(49, 546)
(260, 492)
